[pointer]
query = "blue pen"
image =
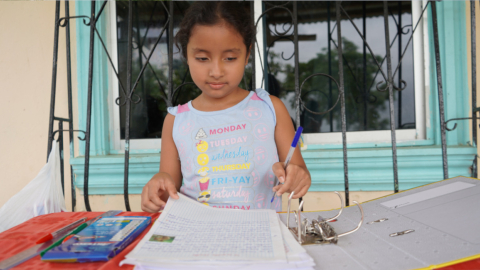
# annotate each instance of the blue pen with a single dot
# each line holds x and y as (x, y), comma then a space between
(290, 152)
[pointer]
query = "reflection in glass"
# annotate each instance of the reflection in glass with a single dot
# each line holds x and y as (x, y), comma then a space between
(366, 107)
(149, 18)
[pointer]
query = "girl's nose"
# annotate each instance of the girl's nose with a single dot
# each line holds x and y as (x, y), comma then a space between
(216, 69)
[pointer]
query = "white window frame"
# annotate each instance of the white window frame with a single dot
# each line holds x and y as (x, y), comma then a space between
(119, 144)
(421, 75)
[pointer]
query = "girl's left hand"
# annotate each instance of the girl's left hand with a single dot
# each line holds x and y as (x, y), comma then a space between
(294, 178)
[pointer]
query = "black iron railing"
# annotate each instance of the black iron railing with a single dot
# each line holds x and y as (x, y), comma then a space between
(172, 90)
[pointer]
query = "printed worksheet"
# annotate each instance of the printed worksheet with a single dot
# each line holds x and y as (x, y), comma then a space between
(190, 231)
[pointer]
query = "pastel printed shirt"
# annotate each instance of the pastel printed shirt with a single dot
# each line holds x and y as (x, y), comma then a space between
(227, 156)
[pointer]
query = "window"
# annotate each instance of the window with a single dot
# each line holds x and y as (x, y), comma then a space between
(367, 108)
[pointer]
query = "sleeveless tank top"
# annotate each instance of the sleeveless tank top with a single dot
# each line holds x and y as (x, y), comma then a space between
(226, 156)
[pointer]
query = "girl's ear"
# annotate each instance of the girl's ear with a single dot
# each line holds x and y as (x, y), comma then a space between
(248, 55)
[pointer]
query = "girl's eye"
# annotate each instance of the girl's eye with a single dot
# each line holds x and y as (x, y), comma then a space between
(201, 59)
(230, 58)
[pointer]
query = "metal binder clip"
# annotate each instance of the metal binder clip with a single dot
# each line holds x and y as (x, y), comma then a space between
(318, 231)
(377, 221)
(401, 233)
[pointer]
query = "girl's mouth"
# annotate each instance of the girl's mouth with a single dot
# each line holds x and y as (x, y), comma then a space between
(216, 85)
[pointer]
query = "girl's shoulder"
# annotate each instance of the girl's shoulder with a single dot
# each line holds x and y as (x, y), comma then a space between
(273, 102)
(262, 94)
(178, 109)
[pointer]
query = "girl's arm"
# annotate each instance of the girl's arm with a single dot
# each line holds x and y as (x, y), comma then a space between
(167, 182)
(296, 177)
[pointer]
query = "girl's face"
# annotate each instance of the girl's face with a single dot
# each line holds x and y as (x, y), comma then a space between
(216, 56)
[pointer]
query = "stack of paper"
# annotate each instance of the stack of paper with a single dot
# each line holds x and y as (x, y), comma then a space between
(192, 235)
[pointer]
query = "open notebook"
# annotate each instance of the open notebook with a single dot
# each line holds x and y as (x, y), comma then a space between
(189, 234)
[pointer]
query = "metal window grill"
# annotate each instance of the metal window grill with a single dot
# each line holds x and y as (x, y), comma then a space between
(129, 95)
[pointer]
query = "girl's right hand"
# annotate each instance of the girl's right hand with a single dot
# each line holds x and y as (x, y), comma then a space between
(157, 191)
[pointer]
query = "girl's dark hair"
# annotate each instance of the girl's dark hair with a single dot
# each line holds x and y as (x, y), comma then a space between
(211, 13)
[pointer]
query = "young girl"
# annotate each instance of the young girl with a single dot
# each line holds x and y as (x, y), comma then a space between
(226, 143)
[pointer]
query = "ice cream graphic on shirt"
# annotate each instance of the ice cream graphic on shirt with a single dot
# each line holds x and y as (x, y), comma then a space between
(201, 134)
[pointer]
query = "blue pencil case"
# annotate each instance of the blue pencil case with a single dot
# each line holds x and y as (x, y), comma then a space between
(100, 241)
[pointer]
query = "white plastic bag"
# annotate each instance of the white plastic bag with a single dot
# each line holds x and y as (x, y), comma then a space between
(43, 195)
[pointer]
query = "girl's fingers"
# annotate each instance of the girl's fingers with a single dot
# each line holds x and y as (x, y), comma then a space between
(154, 192)
(294, 176)
(144, 199)
(171, 189)
(285, 187)
(300, 191)
(150, 207)
(279, 171)
(297, 180)
(292, 180)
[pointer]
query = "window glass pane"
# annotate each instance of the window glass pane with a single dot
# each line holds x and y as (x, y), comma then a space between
(149, 18)
(366, 107)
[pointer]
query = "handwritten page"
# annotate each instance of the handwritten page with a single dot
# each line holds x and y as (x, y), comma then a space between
(190, 231)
